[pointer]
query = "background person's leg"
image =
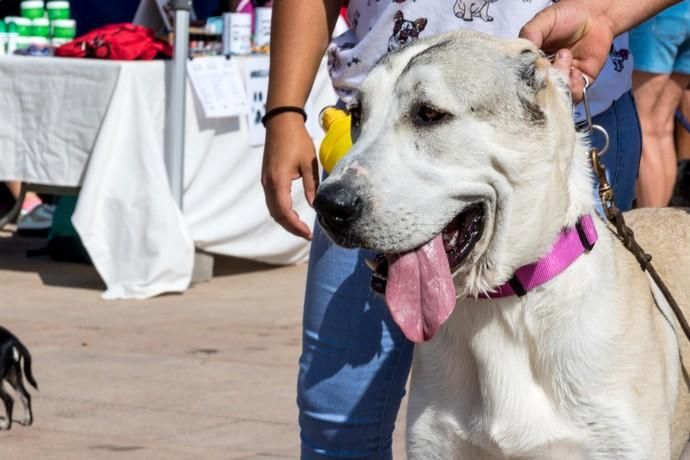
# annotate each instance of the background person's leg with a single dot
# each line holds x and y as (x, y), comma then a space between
(655, 46)
(664, 115)
(651, 187)
(682, 130)
(355, 360)
(31, 200)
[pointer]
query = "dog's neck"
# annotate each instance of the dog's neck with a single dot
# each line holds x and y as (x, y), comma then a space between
(513, 351)
(557, 201)
(579, 184)
(520, 360)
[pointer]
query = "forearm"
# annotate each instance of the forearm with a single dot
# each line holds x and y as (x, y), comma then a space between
(623, 15)
(301, 31)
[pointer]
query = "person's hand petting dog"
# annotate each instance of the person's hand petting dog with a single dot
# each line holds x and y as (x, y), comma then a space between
(580, 33)
(579, 38)
(289, 156)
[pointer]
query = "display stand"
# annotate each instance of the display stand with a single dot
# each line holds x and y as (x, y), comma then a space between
(174, 158)
(175, 132)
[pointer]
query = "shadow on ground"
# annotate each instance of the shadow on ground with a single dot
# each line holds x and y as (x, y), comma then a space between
(13, 257)
(14, 250)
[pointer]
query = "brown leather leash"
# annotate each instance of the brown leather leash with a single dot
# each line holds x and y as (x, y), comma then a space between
(627, 237)
(615, 216)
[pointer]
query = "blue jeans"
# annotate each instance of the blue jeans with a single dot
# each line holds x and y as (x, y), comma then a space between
(355, 361)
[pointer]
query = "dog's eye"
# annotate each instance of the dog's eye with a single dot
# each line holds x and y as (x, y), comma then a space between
(429, 114)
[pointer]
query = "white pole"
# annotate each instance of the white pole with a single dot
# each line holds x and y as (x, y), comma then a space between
(175, 130)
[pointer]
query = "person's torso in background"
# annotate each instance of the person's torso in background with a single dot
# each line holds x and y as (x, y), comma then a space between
(91, 14)
(9, 8)
(380, 26)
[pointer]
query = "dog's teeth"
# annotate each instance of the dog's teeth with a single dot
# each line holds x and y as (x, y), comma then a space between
(454, 239)
(447, 242)
(372, 264)
(378, 274)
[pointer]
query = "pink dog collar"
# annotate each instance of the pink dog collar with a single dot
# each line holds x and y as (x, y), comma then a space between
(571, 244)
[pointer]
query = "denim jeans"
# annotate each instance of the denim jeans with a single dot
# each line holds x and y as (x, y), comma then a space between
(355, 361)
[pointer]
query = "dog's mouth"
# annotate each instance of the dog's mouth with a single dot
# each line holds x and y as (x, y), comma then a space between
(418, 284)
(461, 235)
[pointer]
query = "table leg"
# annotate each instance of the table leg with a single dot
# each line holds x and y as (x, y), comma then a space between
(203, 267)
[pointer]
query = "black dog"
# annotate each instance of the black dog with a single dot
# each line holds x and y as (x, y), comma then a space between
(12, 353)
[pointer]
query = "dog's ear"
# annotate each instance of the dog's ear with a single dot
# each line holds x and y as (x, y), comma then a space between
(529, 71)
(398, 18)
(420, 24)
(532, 79)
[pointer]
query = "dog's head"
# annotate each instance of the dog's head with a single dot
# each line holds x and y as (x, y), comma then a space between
(465, 161)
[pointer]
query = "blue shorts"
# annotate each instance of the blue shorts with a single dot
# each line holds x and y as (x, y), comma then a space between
(662, 44)
(355, 360)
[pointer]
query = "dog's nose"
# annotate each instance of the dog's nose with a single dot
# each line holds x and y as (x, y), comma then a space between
(337, 206)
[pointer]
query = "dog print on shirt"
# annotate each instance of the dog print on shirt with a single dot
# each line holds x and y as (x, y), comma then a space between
(405, 31)
(467, 10)
(618, 57)
(334, 60)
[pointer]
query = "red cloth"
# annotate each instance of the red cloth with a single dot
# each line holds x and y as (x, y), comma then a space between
(123, 42)
(343, 13)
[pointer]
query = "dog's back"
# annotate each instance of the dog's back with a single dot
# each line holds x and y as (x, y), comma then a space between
(665, 235)
(13, 350)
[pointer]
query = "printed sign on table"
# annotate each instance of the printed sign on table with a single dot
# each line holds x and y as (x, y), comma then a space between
(256, 80)
(218, 85)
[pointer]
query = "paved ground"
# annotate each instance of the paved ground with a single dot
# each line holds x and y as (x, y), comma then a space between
(209, 374)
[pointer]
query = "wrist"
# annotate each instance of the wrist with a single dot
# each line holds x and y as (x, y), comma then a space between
(608, 15)
(287, 112)
(291, 120)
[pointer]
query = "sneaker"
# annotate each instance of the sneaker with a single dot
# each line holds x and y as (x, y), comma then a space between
(30, 202)
(36, 222)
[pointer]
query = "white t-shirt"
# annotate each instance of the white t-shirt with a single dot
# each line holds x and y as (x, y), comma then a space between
(379, 26)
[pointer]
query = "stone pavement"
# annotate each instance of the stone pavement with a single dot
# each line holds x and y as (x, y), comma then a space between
(205, 375)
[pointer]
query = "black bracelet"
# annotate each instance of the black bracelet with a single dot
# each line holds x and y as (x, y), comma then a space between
(278, 110)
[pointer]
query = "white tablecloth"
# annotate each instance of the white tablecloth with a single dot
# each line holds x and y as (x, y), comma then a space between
(101, 125)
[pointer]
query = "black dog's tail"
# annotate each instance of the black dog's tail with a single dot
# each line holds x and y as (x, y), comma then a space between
(24, 352)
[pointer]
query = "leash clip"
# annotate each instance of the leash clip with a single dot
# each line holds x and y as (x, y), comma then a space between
(605, 189)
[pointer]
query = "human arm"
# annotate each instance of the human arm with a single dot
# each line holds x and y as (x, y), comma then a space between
(301, 31)
(581, 31)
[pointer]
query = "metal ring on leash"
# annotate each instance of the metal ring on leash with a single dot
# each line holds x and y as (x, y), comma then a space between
(607, 142)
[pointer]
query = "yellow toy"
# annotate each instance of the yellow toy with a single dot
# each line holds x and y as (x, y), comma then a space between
(336, 144)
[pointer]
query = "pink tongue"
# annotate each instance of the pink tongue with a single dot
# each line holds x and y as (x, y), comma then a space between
(420, 291)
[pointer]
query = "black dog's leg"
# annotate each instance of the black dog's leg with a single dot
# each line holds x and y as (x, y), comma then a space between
(15, 379)
(9, 403)
(6, 364)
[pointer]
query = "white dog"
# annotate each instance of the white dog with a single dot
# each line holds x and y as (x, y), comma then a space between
(467, 167)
